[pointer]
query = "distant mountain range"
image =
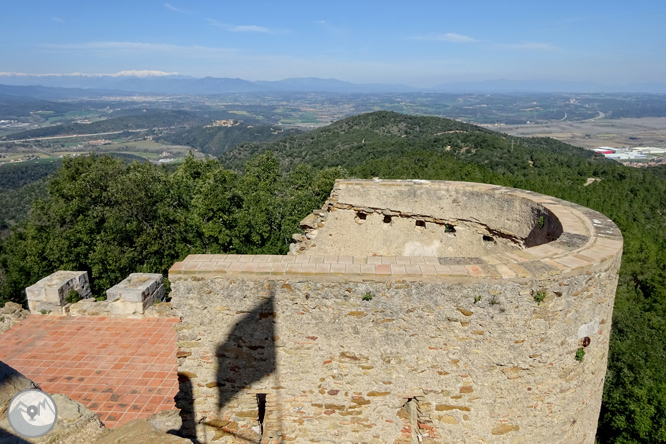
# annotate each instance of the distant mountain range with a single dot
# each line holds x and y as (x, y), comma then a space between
(177, 84)
(16, 93)
(120, 84)
(547, 86)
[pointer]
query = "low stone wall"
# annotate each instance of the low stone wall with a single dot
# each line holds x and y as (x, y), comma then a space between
(505, 348)
(140, 295)
(482, 361)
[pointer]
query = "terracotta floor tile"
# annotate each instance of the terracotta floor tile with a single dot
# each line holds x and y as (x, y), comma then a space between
(102, 397)
(150, 409)
(156, 382)
(149, 390)
(121, 369)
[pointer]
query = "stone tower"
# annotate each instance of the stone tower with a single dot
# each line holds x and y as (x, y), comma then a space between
(408, 312)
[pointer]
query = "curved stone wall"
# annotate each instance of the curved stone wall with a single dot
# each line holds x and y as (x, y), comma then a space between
(407, 218)
(509, 347)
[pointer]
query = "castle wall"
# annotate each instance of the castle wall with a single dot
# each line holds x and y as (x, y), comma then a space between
(404, 218)
(325, 348)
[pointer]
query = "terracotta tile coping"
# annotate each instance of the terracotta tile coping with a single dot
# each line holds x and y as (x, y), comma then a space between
(588, 239)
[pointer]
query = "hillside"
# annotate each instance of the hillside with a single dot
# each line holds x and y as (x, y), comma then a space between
(17, 175)
(216, 140)
(16, 204)
(23, 183)
(356, 140)
(12, 107)
(133, 122)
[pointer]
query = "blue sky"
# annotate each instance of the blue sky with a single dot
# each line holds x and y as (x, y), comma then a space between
(420, 43)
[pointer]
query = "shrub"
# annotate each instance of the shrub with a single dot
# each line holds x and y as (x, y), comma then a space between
(72, 297)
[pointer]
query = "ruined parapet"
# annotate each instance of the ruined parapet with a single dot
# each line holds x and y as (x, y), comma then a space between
(135, 294)
(404, 218)
(141, 295)
(49, 295)
(468, 313)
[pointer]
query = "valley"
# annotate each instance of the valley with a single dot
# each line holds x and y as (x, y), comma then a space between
(45, 128)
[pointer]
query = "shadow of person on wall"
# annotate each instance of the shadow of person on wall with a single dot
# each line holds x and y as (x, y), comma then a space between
(248, 354)
(185, 402)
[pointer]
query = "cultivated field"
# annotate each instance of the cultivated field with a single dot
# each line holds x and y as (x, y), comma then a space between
(646, 131)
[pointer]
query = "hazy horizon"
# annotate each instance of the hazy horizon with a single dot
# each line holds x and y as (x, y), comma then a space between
(420, 45)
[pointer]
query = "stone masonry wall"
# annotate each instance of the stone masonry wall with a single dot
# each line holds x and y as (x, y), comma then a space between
(501, 369)
(342, 349)
(401, 218)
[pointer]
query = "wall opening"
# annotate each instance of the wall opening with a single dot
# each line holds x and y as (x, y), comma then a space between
(261, 405)
(409, 416)
(387, 219)
(448, 228)
(488, 238)
(420, 224)
(360, 215)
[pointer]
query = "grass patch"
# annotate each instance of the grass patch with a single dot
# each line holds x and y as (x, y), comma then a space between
(580, 354)
(539, 297)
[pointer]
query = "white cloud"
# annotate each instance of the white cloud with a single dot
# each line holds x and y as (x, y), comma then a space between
(126, 48)
(536, 46)
(139, 73)
(339, 32)
(448, 37)
(57, 19)
(249, 28)
(173, 8)
(193, 60)
(457, 38)
(245, 28)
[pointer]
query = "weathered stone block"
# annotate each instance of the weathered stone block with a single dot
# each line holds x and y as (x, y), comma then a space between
(49, 293)
(137, 287)
(135, 294)
(120, 308)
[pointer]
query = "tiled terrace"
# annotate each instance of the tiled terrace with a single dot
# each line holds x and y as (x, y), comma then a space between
(122, 369)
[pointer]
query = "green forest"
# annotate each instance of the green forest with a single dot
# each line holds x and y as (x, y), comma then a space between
(112, 218)
(20, 185)
(215, 140)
